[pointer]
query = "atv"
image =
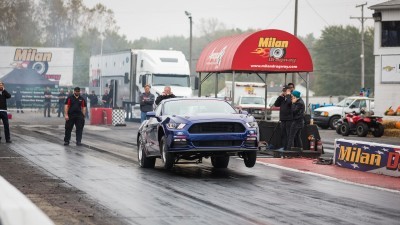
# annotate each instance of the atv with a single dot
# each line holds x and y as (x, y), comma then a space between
(361, 124)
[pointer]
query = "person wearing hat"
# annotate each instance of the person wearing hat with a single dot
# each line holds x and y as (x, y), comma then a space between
(298, 109)
(75, 111)
(284, 102)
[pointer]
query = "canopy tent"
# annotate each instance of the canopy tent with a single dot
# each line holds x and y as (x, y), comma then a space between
(265, 51)
(21, 77)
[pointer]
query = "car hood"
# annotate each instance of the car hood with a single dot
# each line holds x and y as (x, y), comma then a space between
(211, 117)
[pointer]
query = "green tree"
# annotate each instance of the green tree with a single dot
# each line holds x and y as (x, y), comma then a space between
(18, 23)
(336, 57)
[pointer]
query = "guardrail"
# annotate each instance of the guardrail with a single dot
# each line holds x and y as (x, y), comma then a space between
(16, 208)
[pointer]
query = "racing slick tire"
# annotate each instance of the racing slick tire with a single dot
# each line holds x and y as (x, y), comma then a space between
(220, 162)
(144, 162)
(378, 131)
(250, 158)
(362, 129)
(167, 157)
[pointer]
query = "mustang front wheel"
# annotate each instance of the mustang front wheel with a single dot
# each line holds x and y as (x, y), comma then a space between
(167, 157)
(250, 158)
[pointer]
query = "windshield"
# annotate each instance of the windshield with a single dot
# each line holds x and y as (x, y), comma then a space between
(252, 100)
(345, 102)
(171, 80)
(197, 106)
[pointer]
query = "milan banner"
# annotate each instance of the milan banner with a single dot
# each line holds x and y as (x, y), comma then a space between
(368, 157)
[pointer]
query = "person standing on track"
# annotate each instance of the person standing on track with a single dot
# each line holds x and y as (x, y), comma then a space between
(4, 95)
(75, 110)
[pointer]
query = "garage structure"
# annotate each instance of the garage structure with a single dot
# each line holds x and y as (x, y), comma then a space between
(260, 53)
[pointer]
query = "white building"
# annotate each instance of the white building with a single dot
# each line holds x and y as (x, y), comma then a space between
(387, 55)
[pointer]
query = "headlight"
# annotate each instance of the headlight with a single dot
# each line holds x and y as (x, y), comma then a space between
(252, 124)
(177, 126)
(325, 114)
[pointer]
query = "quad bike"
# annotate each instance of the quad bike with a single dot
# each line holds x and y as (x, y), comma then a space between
(361, 124)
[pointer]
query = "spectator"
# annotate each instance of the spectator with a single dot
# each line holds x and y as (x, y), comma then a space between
(18, 100)
(47, 102)
(146, 100)
(297, 109)
(94, 101)
(75, 110)
(4, 95)
(61, 101)
(284, 101)
(165, 95)
(106, 99)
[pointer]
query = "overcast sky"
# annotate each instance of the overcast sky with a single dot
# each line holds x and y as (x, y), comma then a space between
(157, 18)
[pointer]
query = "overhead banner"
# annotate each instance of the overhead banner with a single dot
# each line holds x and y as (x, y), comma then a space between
(368, 157)
(263, 51)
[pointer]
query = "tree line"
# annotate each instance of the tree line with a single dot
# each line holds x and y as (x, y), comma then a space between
(71, 24)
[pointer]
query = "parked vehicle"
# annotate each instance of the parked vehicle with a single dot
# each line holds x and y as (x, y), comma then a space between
(192, 128)
(126, 73)
(253, 104)
(329, 116)
(361, 124)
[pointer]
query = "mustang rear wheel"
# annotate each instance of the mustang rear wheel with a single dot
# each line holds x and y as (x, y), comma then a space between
(167, 157)
(220, 161)
(144, 161)
(250, 158)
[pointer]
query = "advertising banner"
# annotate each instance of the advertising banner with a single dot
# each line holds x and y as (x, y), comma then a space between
(29, 70)
(36, 66)
(368, 157)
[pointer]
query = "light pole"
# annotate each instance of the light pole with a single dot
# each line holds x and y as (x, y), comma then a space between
(189, 15)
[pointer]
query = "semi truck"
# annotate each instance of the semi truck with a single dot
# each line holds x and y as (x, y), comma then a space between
(125, 73)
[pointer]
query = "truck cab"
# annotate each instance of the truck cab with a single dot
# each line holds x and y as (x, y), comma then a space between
(253, 104)
(326, 117)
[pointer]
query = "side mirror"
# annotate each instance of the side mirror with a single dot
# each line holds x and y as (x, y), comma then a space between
(244, 112)
(151, 114)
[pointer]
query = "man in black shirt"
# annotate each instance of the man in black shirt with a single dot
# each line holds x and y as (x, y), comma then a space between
(75, 109)
(4, 95)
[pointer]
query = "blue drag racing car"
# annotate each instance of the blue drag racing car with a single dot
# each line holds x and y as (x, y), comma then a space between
(184, 130)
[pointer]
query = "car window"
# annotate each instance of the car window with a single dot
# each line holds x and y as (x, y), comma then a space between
(158, 110)
(345, 102)
(356, 104)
